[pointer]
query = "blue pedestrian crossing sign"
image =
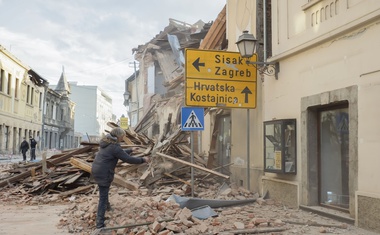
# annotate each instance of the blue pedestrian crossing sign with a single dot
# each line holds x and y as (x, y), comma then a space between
(192, 119)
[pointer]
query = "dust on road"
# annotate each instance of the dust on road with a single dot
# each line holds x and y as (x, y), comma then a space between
(25, 219)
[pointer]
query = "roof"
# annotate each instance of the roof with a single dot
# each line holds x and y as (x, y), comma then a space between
(217, 33)
(37, 79)
(63, 86)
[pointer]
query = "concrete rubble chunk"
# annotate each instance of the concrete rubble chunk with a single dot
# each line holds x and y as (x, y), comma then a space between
(239, 225)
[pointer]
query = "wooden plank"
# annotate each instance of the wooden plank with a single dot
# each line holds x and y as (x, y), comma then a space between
(214, 35)
(70, 154)
(55, 161)
(193, 165)
(256, 230)
(200, 160)
(177, 178)
(125, 183)
(229, 164)
(118, 180)
(154, 178)
(127, 140)
(79, 163)
(77, 190)
(146, 173)
(73, 178)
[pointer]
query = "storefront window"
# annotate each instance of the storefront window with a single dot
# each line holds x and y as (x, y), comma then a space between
(280, 146)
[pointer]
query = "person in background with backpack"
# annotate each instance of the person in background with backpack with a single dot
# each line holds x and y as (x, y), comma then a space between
(33, 144)
(24, 147)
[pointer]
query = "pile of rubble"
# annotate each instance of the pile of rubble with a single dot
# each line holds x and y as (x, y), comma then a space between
(151, 198)
(137, 212)
(152, 210)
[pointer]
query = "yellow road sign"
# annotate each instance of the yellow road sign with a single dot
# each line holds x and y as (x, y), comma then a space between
(222, 65)
(228, 94)
(124, 123)
(219, 79)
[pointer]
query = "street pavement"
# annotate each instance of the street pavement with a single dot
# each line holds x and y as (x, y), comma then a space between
(15, 158)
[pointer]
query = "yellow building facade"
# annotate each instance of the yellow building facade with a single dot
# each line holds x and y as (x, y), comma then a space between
(328, 86)
(21, 96)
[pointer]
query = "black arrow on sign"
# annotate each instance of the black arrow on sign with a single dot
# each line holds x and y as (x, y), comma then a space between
(196, 64)
(247, 91)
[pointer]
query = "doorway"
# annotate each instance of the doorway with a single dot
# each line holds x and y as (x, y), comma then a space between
(342, 104)
(224, 143)
(333, 146)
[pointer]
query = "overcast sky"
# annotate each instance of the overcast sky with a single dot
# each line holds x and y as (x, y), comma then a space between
(92, 39)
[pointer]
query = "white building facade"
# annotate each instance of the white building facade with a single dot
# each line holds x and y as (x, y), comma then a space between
(93, 110)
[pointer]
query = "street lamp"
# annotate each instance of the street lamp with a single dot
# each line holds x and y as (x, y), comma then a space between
(246, 44)
(126, 95)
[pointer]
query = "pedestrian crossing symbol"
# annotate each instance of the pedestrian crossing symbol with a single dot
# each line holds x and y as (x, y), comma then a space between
(192, 119)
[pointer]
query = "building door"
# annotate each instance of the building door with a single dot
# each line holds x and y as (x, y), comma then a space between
(224, 143)
(334, 157)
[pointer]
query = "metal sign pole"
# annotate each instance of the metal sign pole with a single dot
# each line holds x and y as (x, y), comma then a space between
(192, 162)
(248, 155)
(192, 119)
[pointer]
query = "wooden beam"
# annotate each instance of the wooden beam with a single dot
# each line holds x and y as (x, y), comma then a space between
(117, 179)
(80, 164)
(177, 178)
(313, 223)
(76, 190)
(15, 178)
(70, 154)
(216, 168)
(193, 165)
(125, 183)
(146, 173)
(254, 231)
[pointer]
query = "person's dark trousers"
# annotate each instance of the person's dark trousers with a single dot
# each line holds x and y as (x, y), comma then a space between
(23, 155)
(32, 154)
(102, 206)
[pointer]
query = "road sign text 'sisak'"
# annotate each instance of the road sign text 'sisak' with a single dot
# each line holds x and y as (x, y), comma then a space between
(219, 79)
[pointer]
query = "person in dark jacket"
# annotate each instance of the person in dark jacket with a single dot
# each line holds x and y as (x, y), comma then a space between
(24, 147)
(33, 144)
(103, 168)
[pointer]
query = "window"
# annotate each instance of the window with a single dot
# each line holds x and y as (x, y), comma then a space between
(9, 87)
(40, 103)
(17, 87)
(27, 94)
(2, 80)
(280, 146)
(31, 96)
(54, 111)
(334, 156)
(62, 115)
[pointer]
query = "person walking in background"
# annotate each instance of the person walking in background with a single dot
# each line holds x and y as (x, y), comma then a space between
(33, 144)
(103, 168)
(24, 147)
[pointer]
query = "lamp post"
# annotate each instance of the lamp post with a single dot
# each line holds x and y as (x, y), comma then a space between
(126, 98)
(246, 44)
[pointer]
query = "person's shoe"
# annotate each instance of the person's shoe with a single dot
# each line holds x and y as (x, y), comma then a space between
(108, 208)
(100, 227)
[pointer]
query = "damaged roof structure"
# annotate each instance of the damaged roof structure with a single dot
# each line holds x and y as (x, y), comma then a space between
(159, 89)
